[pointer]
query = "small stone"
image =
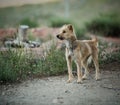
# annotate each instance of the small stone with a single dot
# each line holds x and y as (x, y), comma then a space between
(44, 96)
(118, 94)
(59, 97)
(67, 91)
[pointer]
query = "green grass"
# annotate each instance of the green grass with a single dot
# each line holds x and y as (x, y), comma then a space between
(58, 22)
(27, 21)
(12, 66)
(106, 25)
(16, 65)
(54, 64)
(106, 57)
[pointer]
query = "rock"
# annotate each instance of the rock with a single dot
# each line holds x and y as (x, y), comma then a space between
(67, 91)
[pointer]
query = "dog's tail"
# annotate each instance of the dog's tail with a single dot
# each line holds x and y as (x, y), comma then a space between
(94, 39)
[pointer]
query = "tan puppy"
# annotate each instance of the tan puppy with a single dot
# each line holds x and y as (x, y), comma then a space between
(79, 51)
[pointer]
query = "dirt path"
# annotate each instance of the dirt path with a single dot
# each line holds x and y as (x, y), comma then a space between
(55, 91)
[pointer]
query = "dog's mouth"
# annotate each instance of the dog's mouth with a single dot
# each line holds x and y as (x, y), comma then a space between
(59, 37)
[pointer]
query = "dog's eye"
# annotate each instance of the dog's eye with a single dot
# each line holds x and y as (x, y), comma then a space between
(64, 31)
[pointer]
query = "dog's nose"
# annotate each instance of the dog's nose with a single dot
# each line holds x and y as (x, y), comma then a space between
(57, 36)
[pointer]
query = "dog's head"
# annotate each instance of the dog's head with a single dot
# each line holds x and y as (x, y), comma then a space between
(66, 32)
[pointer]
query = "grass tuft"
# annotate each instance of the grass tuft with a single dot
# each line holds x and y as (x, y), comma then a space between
(29, 22)
(15, 65)
(106, 25)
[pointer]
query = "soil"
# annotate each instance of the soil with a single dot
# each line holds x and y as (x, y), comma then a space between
(55, 91)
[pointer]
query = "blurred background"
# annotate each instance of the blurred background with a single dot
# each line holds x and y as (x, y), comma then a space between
(95, 15)
(42, 13)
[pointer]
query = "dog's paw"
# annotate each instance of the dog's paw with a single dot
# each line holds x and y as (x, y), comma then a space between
(97, 77)
(84, 77)
(79, 81)
(69, 80)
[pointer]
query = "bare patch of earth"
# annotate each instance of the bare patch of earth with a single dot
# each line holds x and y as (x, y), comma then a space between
(55, 90)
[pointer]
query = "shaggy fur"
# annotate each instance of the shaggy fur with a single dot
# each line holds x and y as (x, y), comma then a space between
(79, 51)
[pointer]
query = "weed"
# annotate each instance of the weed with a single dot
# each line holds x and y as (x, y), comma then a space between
(58, 22)
(107, 25)
(29, 22)
(53, 64)
(106, 57)
(16, 65)
(80, 32)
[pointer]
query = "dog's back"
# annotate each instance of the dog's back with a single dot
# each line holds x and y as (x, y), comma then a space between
(91, 45)
(86, 48)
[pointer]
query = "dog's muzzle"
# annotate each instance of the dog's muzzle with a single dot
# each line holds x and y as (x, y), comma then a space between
(61, 38)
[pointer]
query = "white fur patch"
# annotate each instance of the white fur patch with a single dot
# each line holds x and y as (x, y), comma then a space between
(89, 60)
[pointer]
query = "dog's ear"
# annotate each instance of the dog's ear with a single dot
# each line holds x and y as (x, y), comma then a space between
(70, 27)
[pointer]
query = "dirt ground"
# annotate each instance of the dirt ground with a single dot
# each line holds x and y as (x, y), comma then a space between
(55, 90)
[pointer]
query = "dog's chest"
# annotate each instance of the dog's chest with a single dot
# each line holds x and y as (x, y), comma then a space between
(71, 48)
(68, 44)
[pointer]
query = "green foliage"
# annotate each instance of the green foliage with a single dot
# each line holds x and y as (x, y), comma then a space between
(29, 22)
(15, 65)
(109, 57)
(54, 64)
(108, 25)
(106, 57)
(80, 12)
(31, 36)
(80, 32)
(58, 22)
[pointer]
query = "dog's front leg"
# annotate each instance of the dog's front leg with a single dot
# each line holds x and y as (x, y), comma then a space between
(69, 65)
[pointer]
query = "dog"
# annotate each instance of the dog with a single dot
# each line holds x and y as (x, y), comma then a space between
(80, 51)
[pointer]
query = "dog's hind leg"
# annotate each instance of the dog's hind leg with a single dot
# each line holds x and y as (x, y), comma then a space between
(86, 73)
(79, 72)
(95, 60)
(85, 64)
